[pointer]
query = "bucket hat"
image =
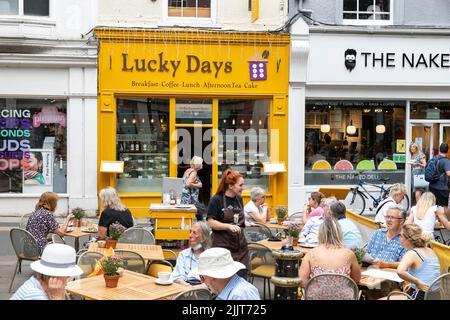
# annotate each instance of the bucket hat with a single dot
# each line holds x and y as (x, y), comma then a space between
(58, 260)
(218, 263)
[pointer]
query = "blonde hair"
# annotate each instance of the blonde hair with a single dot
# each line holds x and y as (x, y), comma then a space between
(413, 144)
(110, 199)
(330, 233)
(48, 200)
(425, 202)
(397, 188)
(196, 162)
(413, 233)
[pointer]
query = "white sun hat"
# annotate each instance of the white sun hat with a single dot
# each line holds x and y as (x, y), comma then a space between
(218, 263)
(58, 260)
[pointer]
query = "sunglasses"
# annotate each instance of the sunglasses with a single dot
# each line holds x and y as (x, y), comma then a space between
(202, 278)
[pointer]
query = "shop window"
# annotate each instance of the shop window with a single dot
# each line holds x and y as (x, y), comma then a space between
(244, 139)
(33, 146)
(189, 111)
(367, 12)
(25, 7)
(345, 137)
(142, 143)
(430, 110)
(189, 8)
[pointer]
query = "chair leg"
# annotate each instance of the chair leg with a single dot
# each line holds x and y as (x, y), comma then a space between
(268, 284)
(264, 291)
(14, 276)
(20, 265)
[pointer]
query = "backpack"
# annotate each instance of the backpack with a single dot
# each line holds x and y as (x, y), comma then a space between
(432, 170)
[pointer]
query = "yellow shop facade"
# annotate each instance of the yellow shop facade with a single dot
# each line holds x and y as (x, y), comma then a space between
(167, 95)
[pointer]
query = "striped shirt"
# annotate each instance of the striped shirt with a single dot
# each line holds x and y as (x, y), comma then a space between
(238, 289)
(30, 290)
(382, 249)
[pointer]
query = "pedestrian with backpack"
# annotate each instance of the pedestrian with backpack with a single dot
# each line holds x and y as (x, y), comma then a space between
(437, 173)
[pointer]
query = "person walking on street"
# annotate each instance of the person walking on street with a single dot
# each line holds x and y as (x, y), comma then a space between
(440, 188)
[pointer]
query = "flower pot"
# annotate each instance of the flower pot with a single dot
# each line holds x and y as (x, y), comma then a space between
(295, 241)
(78, 223)
(111, 281)
(280, 220)
(110, 243)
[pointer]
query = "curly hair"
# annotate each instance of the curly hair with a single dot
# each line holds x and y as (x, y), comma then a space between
(413, 233)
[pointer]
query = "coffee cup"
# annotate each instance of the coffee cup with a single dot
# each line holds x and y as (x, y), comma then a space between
(101, 243)
(163, 276)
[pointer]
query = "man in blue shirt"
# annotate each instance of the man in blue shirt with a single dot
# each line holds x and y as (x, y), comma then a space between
(217, 269)
(384, 246)
(440, 188)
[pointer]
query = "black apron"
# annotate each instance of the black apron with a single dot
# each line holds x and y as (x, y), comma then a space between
(233, 241)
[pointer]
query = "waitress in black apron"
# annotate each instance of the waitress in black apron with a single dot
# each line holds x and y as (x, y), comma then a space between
(226, 218)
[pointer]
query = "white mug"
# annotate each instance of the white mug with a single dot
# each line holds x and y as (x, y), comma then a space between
(163, 276)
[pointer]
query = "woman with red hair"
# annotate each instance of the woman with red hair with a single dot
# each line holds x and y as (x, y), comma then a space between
(226, 218)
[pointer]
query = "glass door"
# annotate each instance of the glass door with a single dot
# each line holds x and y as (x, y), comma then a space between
(426, 136)
(444, 134)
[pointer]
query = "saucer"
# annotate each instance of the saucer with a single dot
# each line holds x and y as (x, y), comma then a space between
(163, 283)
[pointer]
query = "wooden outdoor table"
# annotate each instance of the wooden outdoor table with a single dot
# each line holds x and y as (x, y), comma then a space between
(131, 286)
(77, 234)
(275, 226)
(374, 282)
(276, 245)
(147, 251)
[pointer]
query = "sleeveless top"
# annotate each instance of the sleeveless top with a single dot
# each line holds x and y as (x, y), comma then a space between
(189, 195)
(428, 271)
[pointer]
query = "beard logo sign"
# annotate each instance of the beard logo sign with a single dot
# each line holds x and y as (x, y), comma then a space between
(350, 59)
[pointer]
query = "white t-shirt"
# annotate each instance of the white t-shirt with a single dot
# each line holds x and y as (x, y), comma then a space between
(251, 207)
(428, 221)
(382, 209)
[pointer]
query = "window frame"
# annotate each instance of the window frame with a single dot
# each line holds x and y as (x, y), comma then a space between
(373, 22)
(21, 14)
(189, 21)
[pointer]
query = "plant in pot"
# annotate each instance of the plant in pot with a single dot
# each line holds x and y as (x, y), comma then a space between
(110, 266)
(78, 214)
(359, 253)
(293, 230)
(115, 231)
(281, 214)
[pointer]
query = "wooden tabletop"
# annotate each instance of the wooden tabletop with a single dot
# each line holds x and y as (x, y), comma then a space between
(131, 286)
(77, 233)
(275, 225)
(276, 245)
(147, 251)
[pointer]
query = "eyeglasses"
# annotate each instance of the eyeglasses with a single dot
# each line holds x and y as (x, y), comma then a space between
(392, 218)
(202, 278)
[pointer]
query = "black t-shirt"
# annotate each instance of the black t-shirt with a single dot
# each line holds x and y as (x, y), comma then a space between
(215, 207)
(110, 216)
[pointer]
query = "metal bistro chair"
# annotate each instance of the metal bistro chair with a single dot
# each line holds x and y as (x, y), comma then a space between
(439, 289)
(295, 216)
(24, 220)
(26, 248)
(87, 260)
(262, 265)
(257, 232)
(158, 266)
(137, 235)
(331, 286)
(398, 295)
(132, 261)
(57, 239)
(194, 294)
(170, 255)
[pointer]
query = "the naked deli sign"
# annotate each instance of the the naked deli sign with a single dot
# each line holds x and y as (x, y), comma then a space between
(366, 59)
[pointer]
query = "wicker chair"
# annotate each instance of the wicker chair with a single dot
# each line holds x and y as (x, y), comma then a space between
(26, 248)
(331, 286)
(132, 261)
(24, 220)
(262, 264)
(87, 260)
(158, 266)
(137, 235)
(194, 294)
(439, 289)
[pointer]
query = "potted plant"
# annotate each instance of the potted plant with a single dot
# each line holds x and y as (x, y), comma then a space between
(78, 214)
(281, 214)
(110, 266)
(115, 231)
(293, 230)
(359, 253)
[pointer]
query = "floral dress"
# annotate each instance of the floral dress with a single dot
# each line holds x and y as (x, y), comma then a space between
(40, 224)
(417, 169)
(189, 195)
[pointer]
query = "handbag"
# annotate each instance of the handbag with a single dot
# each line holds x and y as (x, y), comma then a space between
(419, 181)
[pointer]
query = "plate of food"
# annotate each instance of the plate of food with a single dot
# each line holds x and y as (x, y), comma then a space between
(89, 229)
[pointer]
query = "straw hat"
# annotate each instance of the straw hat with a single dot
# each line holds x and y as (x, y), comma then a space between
(58, 260)
(218, 263)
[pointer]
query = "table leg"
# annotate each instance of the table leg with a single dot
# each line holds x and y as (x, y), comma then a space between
(77, 244)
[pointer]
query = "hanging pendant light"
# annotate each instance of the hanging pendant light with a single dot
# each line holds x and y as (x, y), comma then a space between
(351, 129)
(380, 128)
(325, 128)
